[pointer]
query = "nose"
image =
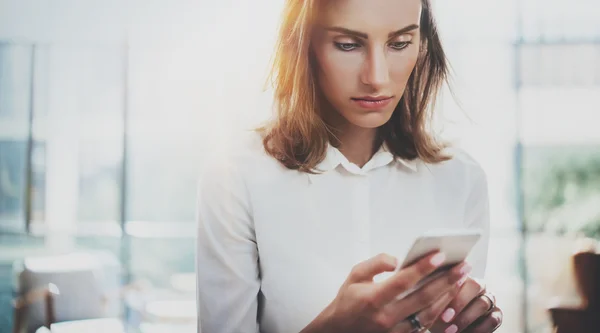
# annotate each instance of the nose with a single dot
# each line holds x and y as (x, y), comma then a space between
(375, 71)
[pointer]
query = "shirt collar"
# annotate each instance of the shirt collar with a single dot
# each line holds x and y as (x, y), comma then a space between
(384, 150)
(383, 156)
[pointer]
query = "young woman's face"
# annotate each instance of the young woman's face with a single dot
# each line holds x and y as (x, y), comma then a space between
(365, 52)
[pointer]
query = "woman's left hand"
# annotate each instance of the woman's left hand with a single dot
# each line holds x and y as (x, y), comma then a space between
(473, 310)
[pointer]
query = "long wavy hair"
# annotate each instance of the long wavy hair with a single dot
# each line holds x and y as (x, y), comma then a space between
(298, 136)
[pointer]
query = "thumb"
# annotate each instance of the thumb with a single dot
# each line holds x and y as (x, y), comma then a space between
(366, 270)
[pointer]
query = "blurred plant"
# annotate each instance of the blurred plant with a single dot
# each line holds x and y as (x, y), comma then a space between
(562, 190)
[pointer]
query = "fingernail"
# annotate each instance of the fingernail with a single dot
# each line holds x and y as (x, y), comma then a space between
(462, 280)
(438, 259)
(451, 329)
(391, 260)
(448, 315)
(466, 269)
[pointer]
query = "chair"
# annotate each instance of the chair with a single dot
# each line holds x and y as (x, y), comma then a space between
(585, 318)
(20, 304)
(85, 281)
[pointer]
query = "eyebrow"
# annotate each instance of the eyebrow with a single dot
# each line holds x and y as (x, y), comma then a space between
(365, 36)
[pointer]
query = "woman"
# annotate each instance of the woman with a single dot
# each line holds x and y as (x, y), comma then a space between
(290, 224)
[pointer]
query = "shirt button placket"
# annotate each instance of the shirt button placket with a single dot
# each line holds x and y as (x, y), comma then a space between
(362, 217)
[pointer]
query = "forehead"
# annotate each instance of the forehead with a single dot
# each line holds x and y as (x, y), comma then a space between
(371, 16)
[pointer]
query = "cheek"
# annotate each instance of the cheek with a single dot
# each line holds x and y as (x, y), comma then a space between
(338, 71)
(402, 66)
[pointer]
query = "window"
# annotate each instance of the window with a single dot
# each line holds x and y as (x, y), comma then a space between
(77, 128)
(529, 81)
(558, 89)
(15, 100)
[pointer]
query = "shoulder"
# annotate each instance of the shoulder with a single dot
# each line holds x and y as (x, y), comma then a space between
(239, 157)
(464, 162)
(460, 170)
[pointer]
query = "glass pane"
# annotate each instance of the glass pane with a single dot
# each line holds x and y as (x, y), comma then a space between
(168, 131)
(15, 82)
(38, 182)
(78, 127)
(562, 184)
(562, 191)
(101, 134)
(557, 20)
(169, 257)
(476, 21)
(559, 100)
(15, 91)
(560, 64)
(100, 180)
(560, 115)
(12, 181)
(110, 245)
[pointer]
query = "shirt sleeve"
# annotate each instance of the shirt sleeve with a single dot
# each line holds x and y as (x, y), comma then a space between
(227, 270)
(477, 215)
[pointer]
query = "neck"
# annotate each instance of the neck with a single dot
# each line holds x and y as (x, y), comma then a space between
(357, 144)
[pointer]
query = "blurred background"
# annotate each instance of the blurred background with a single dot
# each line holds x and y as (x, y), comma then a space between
(108, 109)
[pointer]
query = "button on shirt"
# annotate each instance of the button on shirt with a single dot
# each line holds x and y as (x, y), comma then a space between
(275, 245)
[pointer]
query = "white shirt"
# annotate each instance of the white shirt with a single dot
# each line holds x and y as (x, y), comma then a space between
(275, 245)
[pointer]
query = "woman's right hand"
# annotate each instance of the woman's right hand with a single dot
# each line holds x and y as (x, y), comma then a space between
(362, 305)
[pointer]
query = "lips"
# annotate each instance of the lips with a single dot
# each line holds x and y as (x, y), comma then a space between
(372, 99)
(372, 103)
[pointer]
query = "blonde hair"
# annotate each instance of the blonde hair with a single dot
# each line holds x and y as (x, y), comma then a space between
(298, 136)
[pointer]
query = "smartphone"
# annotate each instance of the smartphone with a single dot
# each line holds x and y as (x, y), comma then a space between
(456, 244)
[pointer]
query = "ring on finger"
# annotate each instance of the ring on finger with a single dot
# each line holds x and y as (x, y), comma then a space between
(492, 299)
(415, 324)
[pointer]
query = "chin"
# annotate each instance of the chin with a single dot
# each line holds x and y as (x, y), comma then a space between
(371, 120)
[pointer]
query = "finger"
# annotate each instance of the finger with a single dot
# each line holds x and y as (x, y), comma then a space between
(440, 291)
(408, 277)
(366, 270)
(431, 291)
(488, 323)
(426, 317)
(491, 299)
(443, 322)
(468, 292)
(476, 309)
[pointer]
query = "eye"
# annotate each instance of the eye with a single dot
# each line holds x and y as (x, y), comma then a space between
(346, 46)
(399, 45)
